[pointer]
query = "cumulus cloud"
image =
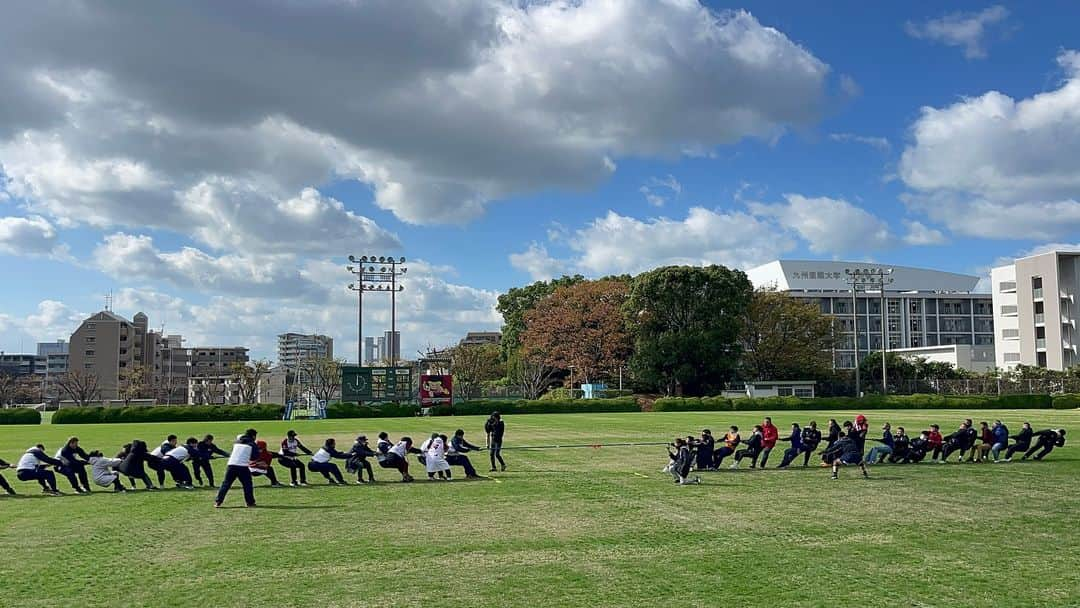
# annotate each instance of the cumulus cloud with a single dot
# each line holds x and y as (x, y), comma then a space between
(658, 189)
(921, 234)
(878, 143)
(967, 30)
(32, 236)
(537, 263)
(51, 320)
(996, 167)
(264, 101)
(828, 225)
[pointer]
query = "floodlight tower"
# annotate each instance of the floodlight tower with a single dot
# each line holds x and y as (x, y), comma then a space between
(376, 273)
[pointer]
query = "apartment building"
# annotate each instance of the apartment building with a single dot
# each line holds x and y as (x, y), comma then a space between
(923, 307)
(1036, 310)
(294, 349)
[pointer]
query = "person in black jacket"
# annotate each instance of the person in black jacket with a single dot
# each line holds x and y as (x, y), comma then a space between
(833, 435)
(918, 448)
(320, 462)
(456, 454)
(201, 456)
(960, 441)
(705, 447)
(1046, 441)
(811, 439)
(796, 446)
(901, 446)
(132, 458)
(752, 449)
(848, 451)
(682, 460)
(75, 461)
(358, 463)
(1022, 439)
(495, 428)
(3, 482)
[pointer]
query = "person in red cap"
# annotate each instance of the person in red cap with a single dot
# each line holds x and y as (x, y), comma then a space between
(769, 436)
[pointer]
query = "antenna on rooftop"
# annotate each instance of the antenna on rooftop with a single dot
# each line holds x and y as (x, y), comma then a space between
(108, 301)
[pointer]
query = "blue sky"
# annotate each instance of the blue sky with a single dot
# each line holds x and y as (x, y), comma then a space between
(213, 164)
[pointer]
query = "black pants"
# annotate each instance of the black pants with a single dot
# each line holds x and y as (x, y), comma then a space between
(177, 470)
(747, 453)
(235, 472)
(145, 479)
(704, 458)
(202, 467)
(156, 465)
(361, 466)
(1046, 449)
(461, 460)
(721, 454)
(765, 456)
(6, 487)
(496, 452)
(1016, 447)
(295, 467)
(327, 469)
(77, 470)
(937, 451)
(789, 455)
(898, 456)
(269, 474)
(72, 477)
(949, 449)
(807, 451)
(45, 478)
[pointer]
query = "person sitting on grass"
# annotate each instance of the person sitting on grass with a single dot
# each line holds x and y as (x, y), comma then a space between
(796, 446)
(173, 462)
(290, 458)
(132, 458)
(934, 442)
(811, 439)
(886, 447)
(682, 460)
(320, 462)
(752, 449)
(980, 450)
(901, 446)
(918, 448)
(847, 451)
(32, 466)
(456, 454)
(1022, 439)
(731, 443)
(3, 482)
(705, 448)
(204, 452)
(103, 470)
(263, 464)
(74, 461)
(238, 468)
(1046, 441)
(1001, 440)
(358, 463)
(957, 442)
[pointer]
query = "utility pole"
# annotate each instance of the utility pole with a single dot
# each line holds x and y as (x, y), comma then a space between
(377, 273)
(868, 278)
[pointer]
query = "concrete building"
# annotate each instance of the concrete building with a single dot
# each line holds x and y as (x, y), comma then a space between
(276, 386)
(371, 351)
(961, 356)
(1036, 308)
(213, 390)
(479, 338)
(103, 345)
(50, 365)
(923, 307)
(293, 349)
(215, 360)
(390, 346)
(17, 365)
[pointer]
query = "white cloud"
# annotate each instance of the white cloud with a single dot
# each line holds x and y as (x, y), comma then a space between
(51, 320)
(263, 101)
(828, 225)
(652, 190)
(995, 167)
(921, 234)
(30, 236)
(878, 143)
(967, 30)
(537, 262)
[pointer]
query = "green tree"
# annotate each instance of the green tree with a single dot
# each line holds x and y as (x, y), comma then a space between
(687, 322)
(474, 364)
(516, 303)
(784, 338)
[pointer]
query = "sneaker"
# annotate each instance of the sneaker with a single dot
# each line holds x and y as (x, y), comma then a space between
(304, 484)
(491, 470)
(504, 468)
(865, 475)
(217, 505)
(734, 466)
(10, 492)
(251, 506)
(1007, 460)
(835, 477)
(294, 484)
(277, 485)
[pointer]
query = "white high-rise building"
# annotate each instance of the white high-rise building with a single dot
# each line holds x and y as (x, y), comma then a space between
(1036, 310)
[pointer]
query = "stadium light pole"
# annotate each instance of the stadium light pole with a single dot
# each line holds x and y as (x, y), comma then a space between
(377, 273)
(872, 278)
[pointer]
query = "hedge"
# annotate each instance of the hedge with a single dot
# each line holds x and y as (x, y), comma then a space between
(870, 402)
(1066, 402)
(20, 415)
(382, 410)
(193, 413)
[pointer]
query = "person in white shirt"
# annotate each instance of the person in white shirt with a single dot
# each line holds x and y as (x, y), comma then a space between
(243, 452)
(153, 459)
(173, 462)
(102, 470)
(32, 467)
(320, 462)
(435, 458)
(4, 485)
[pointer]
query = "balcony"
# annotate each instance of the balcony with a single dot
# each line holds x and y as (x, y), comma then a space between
(1040, 344)
(1037, 293)
(1040, 318)
(1008, 311)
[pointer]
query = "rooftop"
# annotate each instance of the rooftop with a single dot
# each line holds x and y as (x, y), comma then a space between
(828, 275)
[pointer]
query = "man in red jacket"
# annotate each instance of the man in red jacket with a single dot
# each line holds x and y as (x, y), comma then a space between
(769, 436)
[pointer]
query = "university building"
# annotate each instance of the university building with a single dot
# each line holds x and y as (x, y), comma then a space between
(924, 308)
(1036, 309)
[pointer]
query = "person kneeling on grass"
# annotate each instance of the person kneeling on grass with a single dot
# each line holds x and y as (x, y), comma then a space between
(243, 452)
(752, 449)
(3, 482)
(796, 446)
(846, 451)
(1046, 441)
(320, 462)
(132, 458)
(358, 463)
(32, 467)
(456, 454)
(682, 460)
(103, 471)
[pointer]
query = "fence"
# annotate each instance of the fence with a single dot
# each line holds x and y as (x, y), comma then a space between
(978, 386)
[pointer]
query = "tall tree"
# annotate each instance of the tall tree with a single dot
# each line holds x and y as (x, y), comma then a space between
(79, 386)
(516, 303)
(132, 383)
(581, 325)
(784, 338)
(323, 376)
(247, 377)
(8, 389)
(530, 373)
(474, 364)
(687, 322)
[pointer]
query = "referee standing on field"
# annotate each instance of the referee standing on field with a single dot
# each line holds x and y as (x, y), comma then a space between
(494, 428)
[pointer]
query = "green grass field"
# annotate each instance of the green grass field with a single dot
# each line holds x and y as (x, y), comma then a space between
(570, 527)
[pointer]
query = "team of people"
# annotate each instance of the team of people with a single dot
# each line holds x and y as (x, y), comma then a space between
(845, 444)
(248, 458)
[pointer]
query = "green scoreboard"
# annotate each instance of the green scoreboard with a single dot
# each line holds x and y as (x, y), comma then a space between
(376, 383)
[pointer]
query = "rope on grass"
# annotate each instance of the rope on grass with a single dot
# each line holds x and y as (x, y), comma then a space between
(584, 445)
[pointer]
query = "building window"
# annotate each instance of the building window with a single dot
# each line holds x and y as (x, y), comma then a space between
(1008, 311)
(984, 340)
(89, 353)
(804, 392)
(1012, 357)
(1010, 333)
(1040, 359)
(1007, 286)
